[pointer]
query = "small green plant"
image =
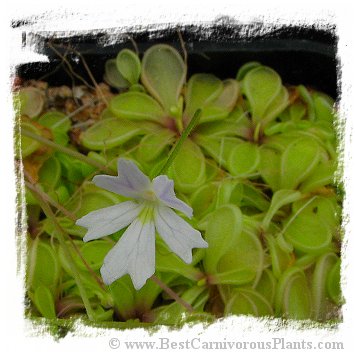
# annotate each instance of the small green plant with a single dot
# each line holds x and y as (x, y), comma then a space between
(253, 176)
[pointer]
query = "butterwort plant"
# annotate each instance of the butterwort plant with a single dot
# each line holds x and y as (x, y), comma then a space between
(257, 173)
(150, 210)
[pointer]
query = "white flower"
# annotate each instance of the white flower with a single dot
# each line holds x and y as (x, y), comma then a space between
(134, 253)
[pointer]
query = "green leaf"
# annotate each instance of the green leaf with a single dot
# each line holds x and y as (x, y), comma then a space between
(324, 131)
(113, 77)
(218, 148)
(323, 108)
(267, 286)
(92, 287)
(56, 121)
(212, 169)
(244, 160)
(306, 261)
(293, 297)
(63, 258)
(242, 263)
(71, 168)
(50, 173)
(67, 224)
(297, 111)
(100, 314)
(91, 201)
(223, 230)
(307, 98)
(319, 284)
(269, 167)
(322, 175)
(229, 95)
(94, 253)
(221, 128)
(326, 209)
(237, 194)
(278, 104)
(86, 169)
(152, 145)
(30, 199)
(244, 125)
(173, 314)
(279, 199)
(282, 141)
(253, 197)
(251, 224)
(59, 124)
(298, 161)
(123, 294)
(225, 102)
(129, 65)
(225, 191)
(188, 169)
(168, 262)
(28, 145)
(103, 159)
(43, 266)
(261, 86)
(231, 276)
(137, 88)
(31, 101)
(163, 74)
(243, 70)
(136, 106)
(280, 258)
(203, 199)
(333, 283)
(109, 133)
(44, 301)
(147, 295)
(278, 128)
(202, 89)
(245, 301)
(60, 138)
(319, 133)
(60, 194)
(307, 232)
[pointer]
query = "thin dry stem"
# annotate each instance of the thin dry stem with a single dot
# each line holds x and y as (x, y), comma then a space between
(97, 87)
(64, 59)
(134, 44)
(49, 200)
(172, 293)
(183, 47)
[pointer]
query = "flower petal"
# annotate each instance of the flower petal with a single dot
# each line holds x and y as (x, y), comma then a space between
(130, 182)
(177, 233)
(134, 254)
(164, 189)
(109, 220)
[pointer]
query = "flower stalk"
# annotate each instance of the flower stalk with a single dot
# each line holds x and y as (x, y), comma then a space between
(184, 135)
(66, 150)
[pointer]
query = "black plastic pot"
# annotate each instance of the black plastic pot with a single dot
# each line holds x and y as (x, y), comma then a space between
(300, 55)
